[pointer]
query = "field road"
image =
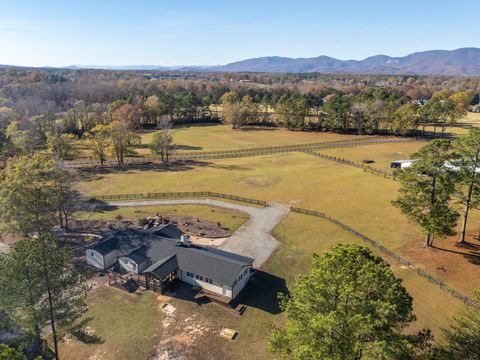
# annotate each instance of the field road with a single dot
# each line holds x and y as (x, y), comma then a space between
(252, 239)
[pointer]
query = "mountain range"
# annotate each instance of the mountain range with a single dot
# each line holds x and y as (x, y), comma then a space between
(464, 61)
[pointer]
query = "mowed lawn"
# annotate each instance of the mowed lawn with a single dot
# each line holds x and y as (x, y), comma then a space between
(360, 200)
(223, 137)
(228, 218)
(127, 326)
(381, 154)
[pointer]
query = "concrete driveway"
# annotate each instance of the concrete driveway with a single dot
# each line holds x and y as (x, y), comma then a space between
(252, 239)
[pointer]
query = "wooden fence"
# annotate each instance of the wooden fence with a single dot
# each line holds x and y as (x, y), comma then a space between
(434, 280)
(177, 195)
(365, 167)
(224, 154)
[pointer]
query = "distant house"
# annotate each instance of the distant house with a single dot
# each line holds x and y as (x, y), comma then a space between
(401, 164)
(165, 253)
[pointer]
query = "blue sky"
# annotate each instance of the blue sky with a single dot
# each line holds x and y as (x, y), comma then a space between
(185, 32)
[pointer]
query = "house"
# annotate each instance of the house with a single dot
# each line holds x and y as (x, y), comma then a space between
(165, 254)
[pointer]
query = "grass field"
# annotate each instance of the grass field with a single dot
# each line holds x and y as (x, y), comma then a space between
(223, 137)
(381, 154)
(229, 219)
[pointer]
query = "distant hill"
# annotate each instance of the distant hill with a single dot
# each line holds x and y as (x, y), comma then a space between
(465, 61)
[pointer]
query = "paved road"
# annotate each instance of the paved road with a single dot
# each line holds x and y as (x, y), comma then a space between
(252, 239)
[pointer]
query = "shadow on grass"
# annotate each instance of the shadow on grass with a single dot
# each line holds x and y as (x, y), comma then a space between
(258, 128)
(262, 292)
(96, 173)
(187, 147)
(471, 253)
(82, 333)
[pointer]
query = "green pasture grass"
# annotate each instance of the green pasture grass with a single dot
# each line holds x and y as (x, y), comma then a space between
(223, 137)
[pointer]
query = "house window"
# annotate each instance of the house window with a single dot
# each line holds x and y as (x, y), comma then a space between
(241, 276)
(201, 278)
(208, 280)
(234, 283)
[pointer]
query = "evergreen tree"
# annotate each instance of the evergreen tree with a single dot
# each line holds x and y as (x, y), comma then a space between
(350, 306)
(426, 190)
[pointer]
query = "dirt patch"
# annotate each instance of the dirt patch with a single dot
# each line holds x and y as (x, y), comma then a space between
(181, 336)
(202, 232)
(205, 241)
(458, 265)
(260, 181)
(191, 225)
(98, 226)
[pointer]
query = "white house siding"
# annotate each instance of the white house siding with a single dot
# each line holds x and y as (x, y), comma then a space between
(110, 259)
(242, 282)
(215, 287)
(95, 258)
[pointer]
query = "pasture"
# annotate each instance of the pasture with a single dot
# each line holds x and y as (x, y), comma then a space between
(223, 137)
(381, 154)
(361, 200)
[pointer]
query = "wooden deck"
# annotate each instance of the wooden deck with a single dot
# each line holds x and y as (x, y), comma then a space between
(224, 301)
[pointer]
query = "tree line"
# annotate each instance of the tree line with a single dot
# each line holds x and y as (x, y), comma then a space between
(368, 112)
(113, 131)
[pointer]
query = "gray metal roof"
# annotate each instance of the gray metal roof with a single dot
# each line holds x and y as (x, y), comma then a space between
(218, 265)
(163, 267)
(138, 255)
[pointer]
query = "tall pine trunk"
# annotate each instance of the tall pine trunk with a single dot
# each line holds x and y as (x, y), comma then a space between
(429, 239)
(469, 198)
(50, 304)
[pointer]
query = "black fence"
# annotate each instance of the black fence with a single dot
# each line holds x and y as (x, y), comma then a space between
(177, 195)
(365, 167)
(440, 283)
(225, 154)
